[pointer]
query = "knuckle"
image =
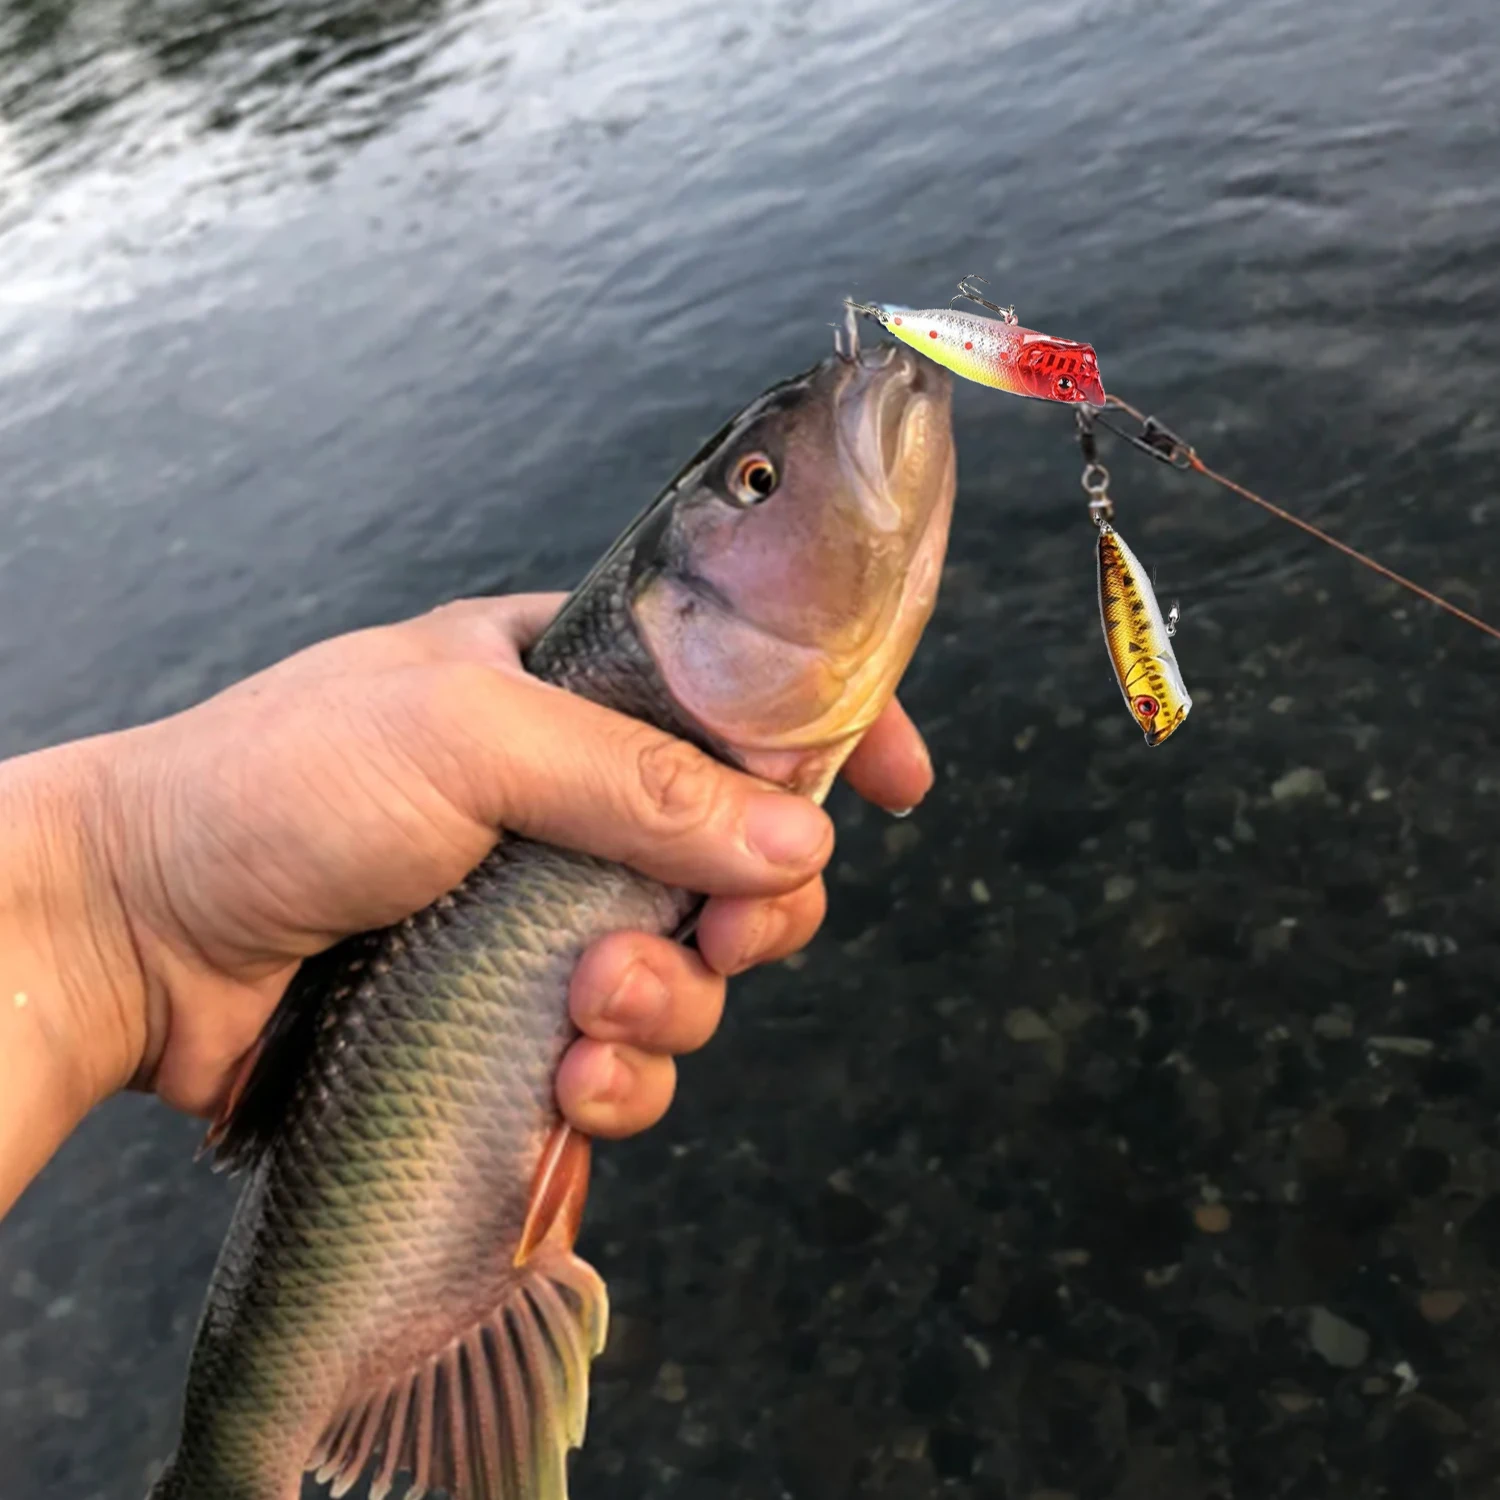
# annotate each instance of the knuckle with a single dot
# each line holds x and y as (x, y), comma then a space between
(682, 788)
(464, 628)
(437, 616)
(454, 611)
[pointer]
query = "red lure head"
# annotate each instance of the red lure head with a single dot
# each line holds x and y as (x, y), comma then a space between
(1059, 370)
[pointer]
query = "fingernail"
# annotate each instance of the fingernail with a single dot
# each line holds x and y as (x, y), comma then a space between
(639, 997)
(785, 830)
(901, 812)
(614, 1081)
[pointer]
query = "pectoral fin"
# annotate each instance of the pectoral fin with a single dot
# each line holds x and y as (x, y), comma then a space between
(258, 1101)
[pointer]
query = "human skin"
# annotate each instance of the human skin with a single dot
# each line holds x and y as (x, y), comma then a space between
(160, 885)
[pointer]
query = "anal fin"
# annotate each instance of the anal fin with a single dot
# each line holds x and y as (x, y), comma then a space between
(224, 1117)
(494, 1414)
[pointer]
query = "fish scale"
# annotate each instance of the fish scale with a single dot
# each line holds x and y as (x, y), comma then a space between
(420, 1087)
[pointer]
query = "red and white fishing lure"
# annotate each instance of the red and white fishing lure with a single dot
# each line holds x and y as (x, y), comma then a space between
(996, 352)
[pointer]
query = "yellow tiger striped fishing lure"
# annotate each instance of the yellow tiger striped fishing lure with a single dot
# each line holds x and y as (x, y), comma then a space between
(1140, 646)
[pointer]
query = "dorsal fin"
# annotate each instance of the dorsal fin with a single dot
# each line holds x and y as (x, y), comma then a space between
(493, 1415)
(258, 1101)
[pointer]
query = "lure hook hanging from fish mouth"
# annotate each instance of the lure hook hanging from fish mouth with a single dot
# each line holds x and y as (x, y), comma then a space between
(850, 330)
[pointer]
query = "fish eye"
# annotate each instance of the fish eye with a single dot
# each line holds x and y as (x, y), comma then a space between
(1146, 707)
(1065, 383)
(754, 479)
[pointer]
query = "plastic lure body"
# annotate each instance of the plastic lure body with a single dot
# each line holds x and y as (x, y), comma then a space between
(996, 352)
(1137, 637)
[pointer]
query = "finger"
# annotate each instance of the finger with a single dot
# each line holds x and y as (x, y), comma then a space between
(647, 992)
(530, 615)
(492, 631)
(890, 766)
(519, 754)
(606, 1089)
(736, 934)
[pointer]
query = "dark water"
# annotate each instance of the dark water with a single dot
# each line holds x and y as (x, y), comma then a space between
(1131, 1130)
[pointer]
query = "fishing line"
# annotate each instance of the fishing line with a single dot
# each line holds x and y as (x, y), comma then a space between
(1164, 444)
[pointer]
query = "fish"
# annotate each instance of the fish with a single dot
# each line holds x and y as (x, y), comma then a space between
(996, 352)
(1138, 641)
(398, 1292)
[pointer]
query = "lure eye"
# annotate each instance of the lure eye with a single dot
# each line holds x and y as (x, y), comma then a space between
(1146, 707)
(754, 479)
(1066, 385)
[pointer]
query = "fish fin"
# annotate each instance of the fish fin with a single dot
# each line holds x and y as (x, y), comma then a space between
(261, 1093)
(226, 1111)
(558, 1190)
(493, 1415)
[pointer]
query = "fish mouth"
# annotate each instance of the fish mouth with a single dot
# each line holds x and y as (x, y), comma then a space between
(1091, 392)
(891, 398)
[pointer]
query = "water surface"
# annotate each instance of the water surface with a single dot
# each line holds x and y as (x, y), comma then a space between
(1077, 1158)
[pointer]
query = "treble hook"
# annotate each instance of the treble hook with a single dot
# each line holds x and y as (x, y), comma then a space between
(851, 328)
(966, 289)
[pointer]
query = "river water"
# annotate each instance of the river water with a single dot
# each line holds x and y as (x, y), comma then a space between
(1131, 1129)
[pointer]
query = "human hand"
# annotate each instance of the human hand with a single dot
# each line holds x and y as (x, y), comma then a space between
(355, 782)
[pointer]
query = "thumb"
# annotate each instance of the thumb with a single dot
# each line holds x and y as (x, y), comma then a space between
(522, 755)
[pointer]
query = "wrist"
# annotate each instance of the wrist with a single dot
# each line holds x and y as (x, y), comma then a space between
(71, 990)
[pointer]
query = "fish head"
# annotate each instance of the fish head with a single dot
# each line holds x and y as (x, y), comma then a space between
(793, 570)
(1058, 370)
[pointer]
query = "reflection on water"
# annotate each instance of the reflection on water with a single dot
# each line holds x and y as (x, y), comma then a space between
(1130, 1132)
(87, 79)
